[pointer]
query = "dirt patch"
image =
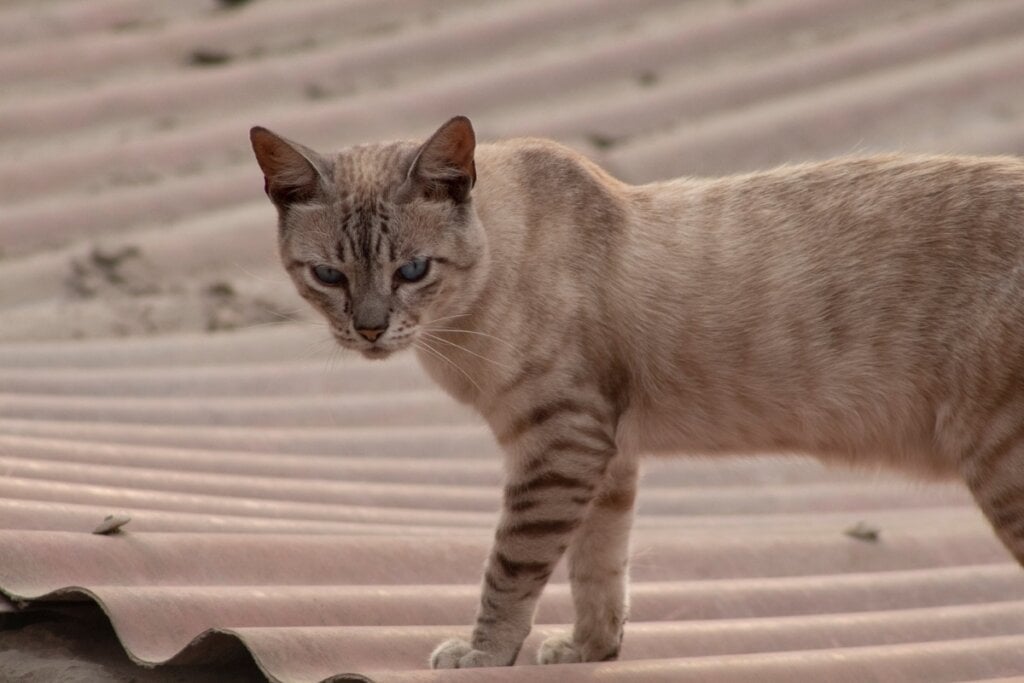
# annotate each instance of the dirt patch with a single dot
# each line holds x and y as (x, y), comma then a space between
(206, 56)
(111, 272)
(127, 294)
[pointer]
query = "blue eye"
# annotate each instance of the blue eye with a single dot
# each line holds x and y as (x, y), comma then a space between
(414, 270)
(331, 277)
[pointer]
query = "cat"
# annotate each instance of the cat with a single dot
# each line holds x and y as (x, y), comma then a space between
(861, 310)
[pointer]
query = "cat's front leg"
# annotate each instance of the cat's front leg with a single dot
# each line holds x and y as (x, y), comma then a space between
(559, 453)
(598, 564)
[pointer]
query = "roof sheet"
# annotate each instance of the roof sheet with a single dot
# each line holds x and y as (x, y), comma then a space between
(332, 516)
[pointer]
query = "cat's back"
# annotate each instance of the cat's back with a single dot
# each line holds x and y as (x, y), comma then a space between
(876, 285)
(917, 228)
(900, 225)
(886, 198)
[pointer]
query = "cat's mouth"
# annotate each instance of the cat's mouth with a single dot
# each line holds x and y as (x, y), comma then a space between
(376, 352)
(371, 351)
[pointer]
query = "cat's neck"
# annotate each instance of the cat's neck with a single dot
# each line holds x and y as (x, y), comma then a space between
(558, 230)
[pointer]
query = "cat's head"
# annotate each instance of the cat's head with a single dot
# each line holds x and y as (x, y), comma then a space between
(381, 239)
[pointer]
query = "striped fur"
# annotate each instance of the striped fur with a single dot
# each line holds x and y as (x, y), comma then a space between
(866, 310)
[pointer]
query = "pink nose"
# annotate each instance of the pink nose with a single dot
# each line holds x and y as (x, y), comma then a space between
(372, 334)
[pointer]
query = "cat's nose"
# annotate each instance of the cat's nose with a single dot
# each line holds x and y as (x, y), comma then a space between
(371, 334)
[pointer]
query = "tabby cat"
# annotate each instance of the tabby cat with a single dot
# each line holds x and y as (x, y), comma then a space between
(865, 310)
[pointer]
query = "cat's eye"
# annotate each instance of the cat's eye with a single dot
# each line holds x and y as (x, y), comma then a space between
(414, 270)
(332, 277)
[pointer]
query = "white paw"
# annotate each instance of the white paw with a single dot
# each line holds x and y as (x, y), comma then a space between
(458, 654)
(558, 650)
(448, 654)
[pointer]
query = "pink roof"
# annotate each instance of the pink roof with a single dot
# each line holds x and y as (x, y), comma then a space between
(333, 515)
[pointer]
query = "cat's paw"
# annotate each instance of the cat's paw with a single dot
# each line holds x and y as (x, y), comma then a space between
(458, 654)
(559, 650)
(563, 650)
(448, 654)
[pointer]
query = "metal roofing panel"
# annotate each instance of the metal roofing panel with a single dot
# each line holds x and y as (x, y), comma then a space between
(326, 516)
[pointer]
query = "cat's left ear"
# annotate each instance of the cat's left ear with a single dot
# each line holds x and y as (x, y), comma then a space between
(444, 168)
(293, 173)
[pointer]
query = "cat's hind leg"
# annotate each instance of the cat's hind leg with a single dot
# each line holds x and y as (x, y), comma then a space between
(995, 476)
(598, 572)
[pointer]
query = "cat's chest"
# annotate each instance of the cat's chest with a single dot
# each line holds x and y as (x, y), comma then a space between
(452, 378)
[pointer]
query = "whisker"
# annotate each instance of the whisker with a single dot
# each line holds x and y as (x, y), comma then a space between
(290, 315)
(278, 323)
(292, 311)
(317, 348)
(279, 281)
(482, 334)
(422, 344)
(319, 344)
(463, 348)
(332, 359)
(447, 317)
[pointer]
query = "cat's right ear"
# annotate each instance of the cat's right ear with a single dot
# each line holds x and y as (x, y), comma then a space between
(292, 173)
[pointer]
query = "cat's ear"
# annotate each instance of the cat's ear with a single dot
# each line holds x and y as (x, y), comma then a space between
(292, 172)
(444, 168)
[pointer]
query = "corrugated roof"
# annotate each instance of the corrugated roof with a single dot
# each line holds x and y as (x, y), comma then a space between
(331, 515)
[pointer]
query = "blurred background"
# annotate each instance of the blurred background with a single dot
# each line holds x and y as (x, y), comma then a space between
(130, 203)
